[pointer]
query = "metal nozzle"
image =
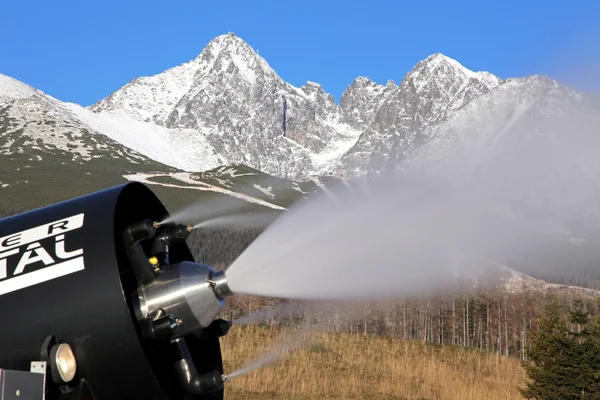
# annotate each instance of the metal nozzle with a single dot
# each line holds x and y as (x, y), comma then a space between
(219, 284)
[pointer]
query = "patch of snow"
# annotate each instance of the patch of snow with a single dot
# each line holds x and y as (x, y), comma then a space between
(12, 89)
(295, 186)
(331, 156)
(202, 186)
(436, 60)
(65, 138)
(232, 172)
(328, 192)
(224, 182)
(184, 149)
(267, 191)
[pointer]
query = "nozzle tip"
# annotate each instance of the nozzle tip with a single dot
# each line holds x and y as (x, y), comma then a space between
(189, 228)
(224, 377)
(156, 224)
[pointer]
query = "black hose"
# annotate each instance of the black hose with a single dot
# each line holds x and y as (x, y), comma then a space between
(132, 236)
(165, 238)
(189, 379)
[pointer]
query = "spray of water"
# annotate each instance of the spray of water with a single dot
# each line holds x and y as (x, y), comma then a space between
(248, 220)
(271, 312)
(218, 206)
(316, 316)
(205, 209)
(525, 197)
(288, 342)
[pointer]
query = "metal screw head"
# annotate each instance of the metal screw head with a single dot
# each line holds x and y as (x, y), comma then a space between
(18, 393)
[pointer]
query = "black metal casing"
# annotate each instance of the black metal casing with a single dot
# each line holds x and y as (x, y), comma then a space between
(89, 308)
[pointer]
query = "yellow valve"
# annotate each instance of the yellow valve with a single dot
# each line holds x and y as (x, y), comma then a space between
(153, 260)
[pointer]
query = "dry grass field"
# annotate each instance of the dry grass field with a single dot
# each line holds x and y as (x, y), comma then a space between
(342, 366)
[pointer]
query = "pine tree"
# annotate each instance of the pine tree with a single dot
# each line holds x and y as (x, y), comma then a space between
(546, 354)
(592, 354)
(564, 364)
(579, 317)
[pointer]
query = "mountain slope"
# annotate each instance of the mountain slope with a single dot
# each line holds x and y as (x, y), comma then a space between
(516, 108)
(233, 98)
(47, 156)
(12, 89)
(52, 151)
(398, 115)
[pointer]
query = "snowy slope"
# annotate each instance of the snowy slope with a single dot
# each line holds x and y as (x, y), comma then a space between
(150, 98)
(12, 89)
(40, 128)
(184, 149)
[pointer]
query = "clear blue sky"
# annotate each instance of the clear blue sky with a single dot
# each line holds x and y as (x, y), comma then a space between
(81, 51)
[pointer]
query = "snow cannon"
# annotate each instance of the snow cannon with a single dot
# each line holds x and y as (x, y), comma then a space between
(100, 301)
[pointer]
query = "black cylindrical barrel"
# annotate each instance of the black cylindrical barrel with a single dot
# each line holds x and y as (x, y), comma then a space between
(64, 271)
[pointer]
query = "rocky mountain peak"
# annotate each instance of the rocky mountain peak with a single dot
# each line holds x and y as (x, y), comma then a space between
(394, 118)
(441, 67)
(316, 93)
(359, 100)
(155, 98)
(231, 54)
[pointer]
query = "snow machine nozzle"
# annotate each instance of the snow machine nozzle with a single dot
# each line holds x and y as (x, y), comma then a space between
(165, 237)
(219, 284)
(121, 295)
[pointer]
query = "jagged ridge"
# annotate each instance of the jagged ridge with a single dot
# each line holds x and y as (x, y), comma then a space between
(235, 99)
(226, 107)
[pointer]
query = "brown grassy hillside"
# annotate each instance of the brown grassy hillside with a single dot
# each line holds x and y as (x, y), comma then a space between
(343, 366)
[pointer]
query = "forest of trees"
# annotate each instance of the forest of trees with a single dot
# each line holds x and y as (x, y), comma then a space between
(493, 320)
(220, 247)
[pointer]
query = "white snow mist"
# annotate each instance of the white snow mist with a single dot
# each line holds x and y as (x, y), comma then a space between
(526, 197)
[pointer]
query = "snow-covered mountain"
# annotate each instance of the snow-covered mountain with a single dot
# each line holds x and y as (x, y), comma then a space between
(233, 98)
(229, 107)
(393, 118)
